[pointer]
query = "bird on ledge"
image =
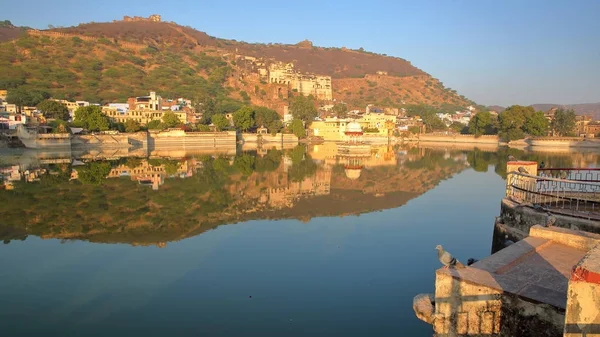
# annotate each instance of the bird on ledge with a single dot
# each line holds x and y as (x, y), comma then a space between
(447, 259)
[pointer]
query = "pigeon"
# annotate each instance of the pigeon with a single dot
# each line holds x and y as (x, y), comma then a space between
(523, 170)
(563, 174)
(550, 220)
(512, 158)
(447, 259)
(471, 260)
(542, 165)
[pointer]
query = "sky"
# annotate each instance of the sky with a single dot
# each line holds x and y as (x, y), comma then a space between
(500, 52)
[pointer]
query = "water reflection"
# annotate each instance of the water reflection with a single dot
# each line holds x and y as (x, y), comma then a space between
(140, 201)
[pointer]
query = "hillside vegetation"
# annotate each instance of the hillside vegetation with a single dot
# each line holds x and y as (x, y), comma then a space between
(103, 62)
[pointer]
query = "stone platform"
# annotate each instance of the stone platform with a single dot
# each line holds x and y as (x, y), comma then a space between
(521, 290)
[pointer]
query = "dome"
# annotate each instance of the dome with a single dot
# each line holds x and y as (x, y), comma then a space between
(352, 174)
(353, 127)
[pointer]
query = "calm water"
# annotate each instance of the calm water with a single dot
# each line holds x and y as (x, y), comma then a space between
(332, 242)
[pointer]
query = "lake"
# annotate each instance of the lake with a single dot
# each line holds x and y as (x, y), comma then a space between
(323, 240)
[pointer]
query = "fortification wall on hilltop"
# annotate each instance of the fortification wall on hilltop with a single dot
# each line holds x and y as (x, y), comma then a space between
(52, 34)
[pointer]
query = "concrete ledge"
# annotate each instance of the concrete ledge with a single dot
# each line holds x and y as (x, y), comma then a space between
(588, 269)
(572, 238)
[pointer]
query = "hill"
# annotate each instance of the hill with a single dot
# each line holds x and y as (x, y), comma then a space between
(102, 62)
(589, 109)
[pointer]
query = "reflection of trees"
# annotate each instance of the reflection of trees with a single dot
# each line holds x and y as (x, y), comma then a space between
(302, 164)
(93, 173)
(480, 160)
(430, 159)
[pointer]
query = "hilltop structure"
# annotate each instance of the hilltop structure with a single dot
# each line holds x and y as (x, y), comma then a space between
(152, 18)
(305, 84)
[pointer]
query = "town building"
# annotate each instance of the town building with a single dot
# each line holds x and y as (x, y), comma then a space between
(593, 128)
(142, 116)
(10, 121)
(581, 125)
(150, 102)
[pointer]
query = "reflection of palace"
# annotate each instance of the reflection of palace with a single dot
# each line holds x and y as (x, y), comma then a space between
(147, 174)
(283, 191)
(353, 154)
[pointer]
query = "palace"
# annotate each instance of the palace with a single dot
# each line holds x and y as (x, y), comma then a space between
(305, 84)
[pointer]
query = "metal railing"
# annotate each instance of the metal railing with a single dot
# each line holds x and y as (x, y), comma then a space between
(579, 198)
(578, 174)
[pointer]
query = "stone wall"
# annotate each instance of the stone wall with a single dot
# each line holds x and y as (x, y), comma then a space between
(488, 139)
(124, 140)
(268, 138)
(175, 138)
(468, 309)
(54, 34)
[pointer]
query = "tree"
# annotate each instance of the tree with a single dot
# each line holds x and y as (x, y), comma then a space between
(303, 108)
(482, 124)
(132, 126)
(220, 121)
(170, 119)
(536, 124)
(54, 109)
(459, 127)
(268, 118)
(433, 123)
(564, 122)
(22, 97)
(244, 118)
(512, 122)
(340, 110)
(91, 118)
(206, 106)
(298, 128)
(154, 125)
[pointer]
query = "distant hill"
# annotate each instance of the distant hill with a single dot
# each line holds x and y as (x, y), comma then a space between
(589, 109)
(103, 62)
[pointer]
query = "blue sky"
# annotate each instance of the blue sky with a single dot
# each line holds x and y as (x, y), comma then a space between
(494, 52)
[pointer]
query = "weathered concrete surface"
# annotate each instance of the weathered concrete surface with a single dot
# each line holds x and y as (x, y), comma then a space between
(583, 303)
(519, 291)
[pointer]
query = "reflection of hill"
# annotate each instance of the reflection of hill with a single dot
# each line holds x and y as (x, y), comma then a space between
(213, 191)
(344, 202)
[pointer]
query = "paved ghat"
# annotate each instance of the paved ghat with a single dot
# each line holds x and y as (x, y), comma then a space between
(522, 290)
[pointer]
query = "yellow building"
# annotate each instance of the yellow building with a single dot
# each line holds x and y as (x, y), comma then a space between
(141, 116)
(333, 129)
